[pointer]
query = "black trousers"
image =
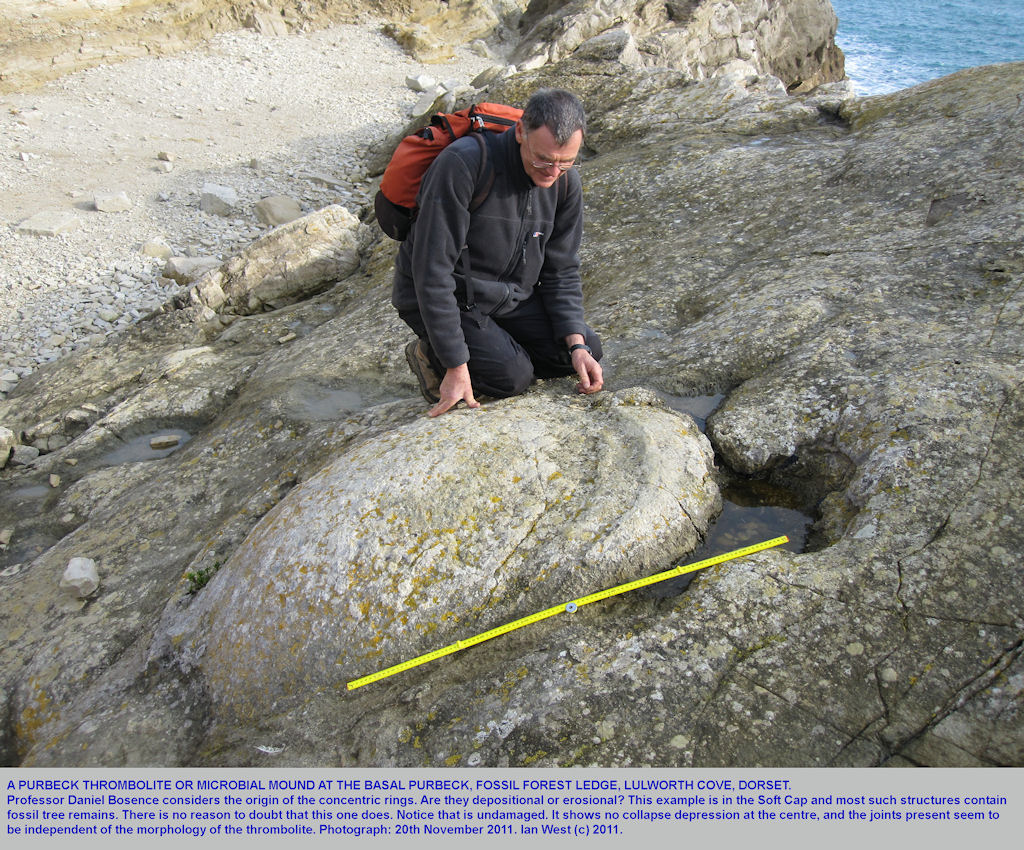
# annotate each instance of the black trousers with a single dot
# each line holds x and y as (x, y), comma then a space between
(506, 353)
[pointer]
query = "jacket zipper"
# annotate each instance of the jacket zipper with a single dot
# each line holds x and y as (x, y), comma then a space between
(519, 255)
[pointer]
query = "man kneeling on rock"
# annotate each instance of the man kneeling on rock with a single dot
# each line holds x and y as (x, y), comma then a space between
(494, 295)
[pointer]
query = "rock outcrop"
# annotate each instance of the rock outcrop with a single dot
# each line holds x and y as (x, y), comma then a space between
(292, 262)
(846, 272)
(793, 40)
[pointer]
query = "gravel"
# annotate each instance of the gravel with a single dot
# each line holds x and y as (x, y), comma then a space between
(283, 115)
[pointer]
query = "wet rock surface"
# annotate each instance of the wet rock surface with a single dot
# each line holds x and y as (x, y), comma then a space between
(846, 273)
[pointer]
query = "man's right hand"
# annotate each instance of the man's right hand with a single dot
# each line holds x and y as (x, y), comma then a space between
(455, 387)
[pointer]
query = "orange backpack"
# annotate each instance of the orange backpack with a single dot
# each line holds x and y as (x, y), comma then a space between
(395, 204)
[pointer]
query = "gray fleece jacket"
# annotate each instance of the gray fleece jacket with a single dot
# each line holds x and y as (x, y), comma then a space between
(522, 240)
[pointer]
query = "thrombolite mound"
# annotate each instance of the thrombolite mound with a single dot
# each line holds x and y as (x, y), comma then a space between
(440, 529)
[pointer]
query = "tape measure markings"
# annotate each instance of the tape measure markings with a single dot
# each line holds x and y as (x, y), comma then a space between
(569, 607)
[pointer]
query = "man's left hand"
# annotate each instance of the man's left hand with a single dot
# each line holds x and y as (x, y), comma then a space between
(589, 371)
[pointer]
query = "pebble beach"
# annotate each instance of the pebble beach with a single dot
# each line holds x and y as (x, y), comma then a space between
(103, 172)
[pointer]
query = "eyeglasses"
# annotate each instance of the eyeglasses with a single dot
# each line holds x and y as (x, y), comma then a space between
(542, 165)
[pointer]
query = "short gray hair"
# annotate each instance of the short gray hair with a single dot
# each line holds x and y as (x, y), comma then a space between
(558, 110)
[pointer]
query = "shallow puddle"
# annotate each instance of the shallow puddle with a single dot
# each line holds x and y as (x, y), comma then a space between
(324, 405)
(23, 549)
(29, 494)
(700, 407)
(752, 512)
(138, 448)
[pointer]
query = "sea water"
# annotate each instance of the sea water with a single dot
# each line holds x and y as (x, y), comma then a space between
(895, 44)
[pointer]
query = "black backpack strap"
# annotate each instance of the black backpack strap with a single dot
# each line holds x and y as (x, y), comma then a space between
(484, 175)
(484, 182)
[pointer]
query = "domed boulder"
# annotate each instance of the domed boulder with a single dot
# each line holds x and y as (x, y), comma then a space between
(441, 529)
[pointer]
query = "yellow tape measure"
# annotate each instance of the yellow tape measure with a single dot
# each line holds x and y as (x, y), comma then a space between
(568, 607)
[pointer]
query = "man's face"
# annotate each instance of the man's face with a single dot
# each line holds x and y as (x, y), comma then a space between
(542, 156)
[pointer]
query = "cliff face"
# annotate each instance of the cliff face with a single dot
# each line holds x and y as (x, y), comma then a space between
(793, 39)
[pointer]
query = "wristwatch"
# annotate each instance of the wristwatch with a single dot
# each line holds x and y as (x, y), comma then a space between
(579, 345)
